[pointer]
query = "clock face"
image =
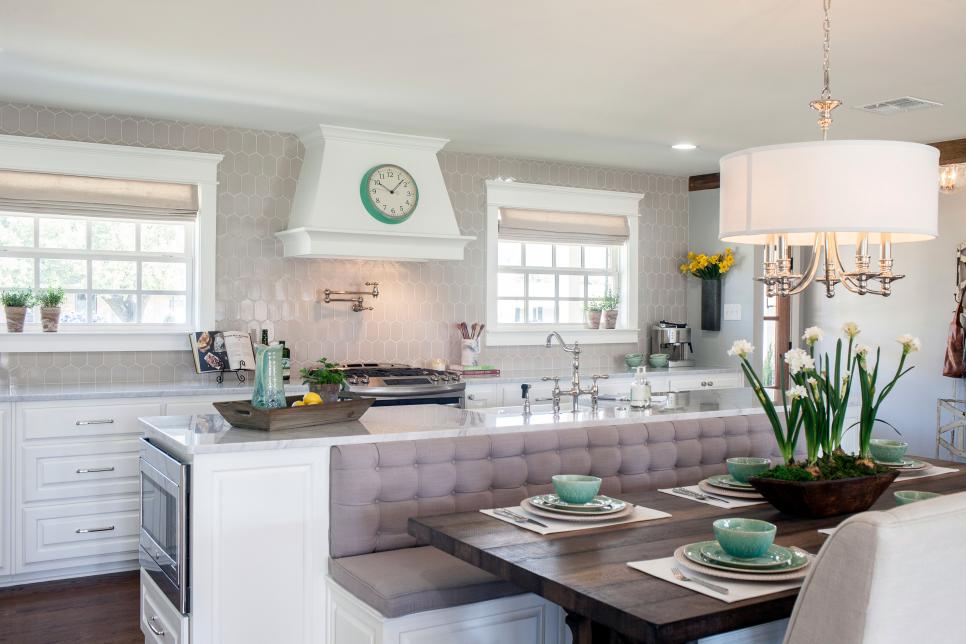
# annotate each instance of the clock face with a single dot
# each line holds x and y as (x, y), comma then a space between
(389, 193)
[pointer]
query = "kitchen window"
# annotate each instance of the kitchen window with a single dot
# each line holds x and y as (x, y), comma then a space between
(114, 271)
(127, 232)
(550, 252)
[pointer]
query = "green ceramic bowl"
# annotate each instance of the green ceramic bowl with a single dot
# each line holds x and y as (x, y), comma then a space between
(911, 496)
(576, 488)
(888, 451)
(658, 360)
(744, 538)
(633, 360)
(744, 467)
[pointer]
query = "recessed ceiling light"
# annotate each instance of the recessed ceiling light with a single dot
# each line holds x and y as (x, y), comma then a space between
(684, 146)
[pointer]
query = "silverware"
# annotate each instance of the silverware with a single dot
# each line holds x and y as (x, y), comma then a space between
(700, 496)
(519, 518)
(680, 576)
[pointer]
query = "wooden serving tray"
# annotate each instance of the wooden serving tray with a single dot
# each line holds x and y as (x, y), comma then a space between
(241, 413)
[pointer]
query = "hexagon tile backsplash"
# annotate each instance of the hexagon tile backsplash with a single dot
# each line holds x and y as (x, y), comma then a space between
(418, 302)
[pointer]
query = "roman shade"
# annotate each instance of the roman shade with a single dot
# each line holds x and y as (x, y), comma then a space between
(562, 227)
(38, 192)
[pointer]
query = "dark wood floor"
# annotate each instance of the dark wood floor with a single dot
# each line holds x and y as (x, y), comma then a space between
(90, 610)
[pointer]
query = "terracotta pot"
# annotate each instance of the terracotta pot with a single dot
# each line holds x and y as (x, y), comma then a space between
(329, 393)
(15, 316)
(817, 499)
(593, 319)
(50, 318)
(610, 319)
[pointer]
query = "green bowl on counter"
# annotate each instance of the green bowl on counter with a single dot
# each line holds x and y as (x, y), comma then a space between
(633, 360)
(659, 360)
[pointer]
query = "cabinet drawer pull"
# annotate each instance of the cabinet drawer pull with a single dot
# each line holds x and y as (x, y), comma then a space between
(86, 530)
(154, 629)
(91, 470)
(704, 384)
(95, 421)
(472, 397)
(711, 383)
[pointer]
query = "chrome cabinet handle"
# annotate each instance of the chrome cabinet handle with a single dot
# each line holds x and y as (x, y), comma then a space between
(710, 383)
(91, 470)
(86, 530)
(154, 629)
(704, 384)
(96, 421)
(471, 396)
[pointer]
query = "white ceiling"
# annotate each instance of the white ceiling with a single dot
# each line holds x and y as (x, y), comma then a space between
(612, 82)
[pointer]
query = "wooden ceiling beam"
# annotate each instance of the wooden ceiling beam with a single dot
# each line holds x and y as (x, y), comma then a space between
(951, 151)
(704, 182)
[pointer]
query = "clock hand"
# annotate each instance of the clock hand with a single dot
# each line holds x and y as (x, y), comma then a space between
(401, 181)
(379, 183)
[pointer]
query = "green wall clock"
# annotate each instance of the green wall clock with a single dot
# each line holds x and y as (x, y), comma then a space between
(389, 193)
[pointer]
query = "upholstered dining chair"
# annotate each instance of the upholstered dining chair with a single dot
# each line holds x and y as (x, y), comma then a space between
(894, 576)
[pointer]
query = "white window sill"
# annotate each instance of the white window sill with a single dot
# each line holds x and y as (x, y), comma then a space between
(523, 337)
(31, 341)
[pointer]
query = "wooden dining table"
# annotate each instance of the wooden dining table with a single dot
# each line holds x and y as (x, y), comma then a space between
(586, 572)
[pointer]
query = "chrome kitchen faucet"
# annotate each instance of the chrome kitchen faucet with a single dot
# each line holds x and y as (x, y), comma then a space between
(575, 391)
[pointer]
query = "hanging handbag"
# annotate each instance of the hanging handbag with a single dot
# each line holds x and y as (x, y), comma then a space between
(953, 362)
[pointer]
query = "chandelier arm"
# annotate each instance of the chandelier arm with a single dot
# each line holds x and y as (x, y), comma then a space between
(809, 276)
(833, 247)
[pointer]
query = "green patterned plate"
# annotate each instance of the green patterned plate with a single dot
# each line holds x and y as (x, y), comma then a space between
(599, 505)
(692, 552)
(907, 465)
(774, 557)
(728, 482)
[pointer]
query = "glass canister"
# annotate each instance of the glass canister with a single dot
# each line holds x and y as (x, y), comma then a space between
(269, 389)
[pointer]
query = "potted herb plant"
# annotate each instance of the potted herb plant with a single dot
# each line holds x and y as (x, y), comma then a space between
(15, 305)
(709, 269)
(325, 380)
(609, 304)
(593, 310)
(50, 301)
(828, 481)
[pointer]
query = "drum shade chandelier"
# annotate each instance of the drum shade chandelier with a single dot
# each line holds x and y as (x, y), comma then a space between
(826, 194)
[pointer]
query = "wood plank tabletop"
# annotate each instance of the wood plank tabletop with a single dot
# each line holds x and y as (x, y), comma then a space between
(586, 572)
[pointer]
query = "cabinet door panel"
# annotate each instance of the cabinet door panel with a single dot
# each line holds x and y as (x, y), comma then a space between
(84, 419)
(85, 470)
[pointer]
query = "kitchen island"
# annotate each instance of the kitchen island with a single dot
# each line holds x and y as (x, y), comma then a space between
(259, 502)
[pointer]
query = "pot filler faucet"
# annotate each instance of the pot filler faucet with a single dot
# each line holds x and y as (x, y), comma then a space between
(575, 391)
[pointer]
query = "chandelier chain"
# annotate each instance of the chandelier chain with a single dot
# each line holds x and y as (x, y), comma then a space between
(827, 28)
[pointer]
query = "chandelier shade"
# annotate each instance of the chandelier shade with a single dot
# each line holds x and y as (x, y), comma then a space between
(848, 187)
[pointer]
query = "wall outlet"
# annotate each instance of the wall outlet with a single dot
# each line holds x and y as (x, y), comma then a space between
(732, 311)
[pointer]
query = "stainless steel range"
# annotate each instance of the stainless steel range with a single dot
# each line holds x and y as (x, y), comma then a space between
(399, 384)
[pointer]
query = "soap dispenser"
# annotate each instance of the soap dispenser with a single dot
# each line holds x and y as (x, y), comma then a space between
(640, 390)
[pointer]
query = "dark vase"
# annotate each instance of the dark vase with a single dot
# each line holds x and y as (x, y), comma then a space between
(817, 499)
(711, 305)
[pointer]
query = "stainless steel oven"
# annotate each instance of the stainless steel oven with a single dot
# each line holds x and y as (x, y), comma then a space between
(164, 522)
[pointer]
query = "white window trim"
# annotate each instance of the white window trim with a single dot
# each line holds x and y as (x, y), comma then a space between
(510, 194)
(124, 162)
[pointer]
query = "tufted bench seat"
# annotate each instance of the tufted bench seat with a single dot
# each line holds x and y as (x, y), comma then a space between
(377, 487)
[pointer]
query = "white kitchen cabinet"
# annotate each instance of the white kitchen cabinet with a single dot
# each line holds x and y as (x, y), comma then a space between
(479, 395)
(708, 381)
(52, 471)
(161, 622)
(83, 418)
(6, 490)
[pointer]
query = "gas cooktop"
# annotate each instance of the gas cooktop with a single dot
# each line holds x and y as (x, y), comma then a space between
(390, 379)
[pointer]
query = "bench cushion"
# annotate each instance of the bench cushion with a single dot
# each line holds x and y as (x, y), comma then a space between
(412, 580)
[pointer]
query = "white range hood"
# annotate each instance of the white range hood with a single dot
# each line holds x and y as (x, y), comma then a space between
(329, 218)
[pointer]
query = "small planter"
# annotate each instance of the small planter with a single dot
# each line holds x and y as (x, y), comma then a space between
(610, 319)
(817, 499)
(711, 305)
(593, 319)
(329, 393)
(15, 316)
(50, 318)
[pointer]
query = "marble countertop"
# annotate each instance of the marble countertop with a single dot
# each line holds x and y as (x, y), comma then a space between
(187, 436)
(652, 372)
(89, 391)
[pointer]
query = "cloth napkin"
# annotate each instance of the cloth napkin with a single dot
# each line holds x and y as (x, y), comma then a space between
(732, 503)
(935, 470)
(556, 525)
(737, 590)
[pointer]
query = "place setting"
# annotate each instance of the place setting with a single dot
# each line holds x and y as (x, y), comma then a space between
(741, 562)
(575, 504)
(892, 454)
(731, 490)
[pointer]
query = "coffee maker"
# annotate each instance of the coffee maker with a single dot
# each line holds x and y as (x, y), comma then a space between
(673, 338)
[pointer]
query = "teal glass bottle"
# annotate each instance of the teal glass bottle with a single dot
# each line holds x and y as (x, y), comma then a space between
(269, 389)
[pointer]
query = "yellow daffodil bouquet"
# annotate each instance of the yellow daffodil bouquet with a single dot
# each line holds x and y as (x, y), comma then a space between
(709, 267)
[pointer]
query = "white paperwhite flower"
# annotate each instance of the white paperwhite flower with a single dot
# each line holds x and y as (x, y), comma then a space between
(812, 335)
(813, 382)
(741, 349)
(850, 329)
(862, 350)
(909, 343)
(796, 392)
(798, 359)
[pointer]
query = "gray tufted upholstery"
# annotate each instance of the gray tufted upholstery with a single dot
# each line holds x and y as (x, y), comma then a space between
(376, 488)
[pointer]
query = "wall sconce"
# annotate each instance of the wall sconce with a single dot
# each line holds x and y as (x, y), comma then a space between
(358, 303)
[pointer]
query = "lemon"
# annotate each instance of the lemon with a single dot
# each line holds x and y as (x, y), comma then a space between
(298, 403)
(312, 398)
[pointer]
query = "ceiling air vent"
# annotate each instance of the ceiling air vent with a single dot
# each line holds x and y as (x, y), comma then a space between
(897, 105)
